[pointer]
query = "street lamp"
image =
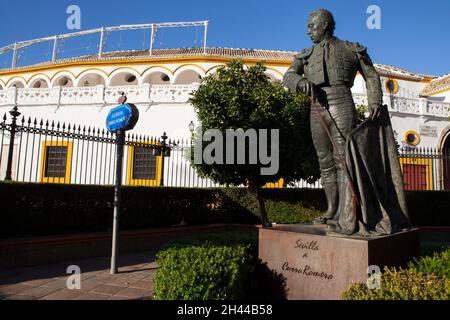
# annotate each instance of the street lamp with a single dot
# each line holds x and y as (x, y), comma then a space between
(164, 138)
(192, 127)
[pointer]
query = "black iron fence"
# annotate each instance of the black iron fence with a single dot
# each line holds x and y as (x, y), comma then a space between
(425, 169)
(43, 151)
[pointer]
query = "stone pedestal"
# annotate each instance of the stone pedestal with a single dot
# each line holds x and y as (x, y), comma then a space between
(321, 267)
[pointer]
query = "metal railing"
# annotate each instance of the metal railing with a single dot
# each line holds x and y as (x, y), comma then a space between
(425, 169)
(102, 34)
(42, 151)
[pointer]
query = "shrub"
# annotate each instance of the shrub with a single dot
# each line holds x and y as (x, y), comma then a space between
(284, 206)
(201, 272)
(437, 264)
(46, 209)
(230, 238)
(290, 213)
(402, 285)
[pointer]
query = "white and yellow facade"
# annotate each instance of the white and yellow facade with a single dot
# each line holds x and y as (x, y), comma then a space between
(83, 90)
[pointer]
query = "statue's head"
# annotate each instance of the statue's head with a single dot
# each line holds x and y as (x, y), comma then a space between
(321, 25)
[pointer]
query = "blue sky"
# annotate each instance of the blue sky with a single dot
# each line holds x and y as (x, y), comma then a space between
(414, 35)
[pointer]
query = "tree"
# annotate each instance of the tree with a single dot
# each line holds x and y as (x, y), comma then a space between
(236, 97)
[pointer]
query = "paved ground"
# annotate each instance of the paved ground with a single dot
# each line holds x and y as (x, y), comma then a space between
(134, 281)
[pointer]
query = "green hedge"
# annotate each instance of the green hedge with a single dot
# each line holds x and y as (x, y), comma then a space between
(221, 266)
(46, 209)
(438, 264)
(205, 267)
(403, 285)
(428, 278)
(207, 272)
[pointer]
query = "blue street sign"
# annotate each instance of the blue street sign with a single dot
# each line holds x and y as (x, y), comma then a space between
(122, 118)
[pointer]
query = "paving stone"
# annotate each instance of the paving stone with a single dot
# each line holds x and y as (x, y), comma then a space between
(134, 275)
(142, 284)
(92, 296)
(64, 294)
(18, 297)
(118, 298)
(49, 282)
(86, 276)
(91, 283)
(58, 284)
(133, 293)
(121, 282)
(149, 278)
(106, 289)
(14, 289)
(36, 282)
(38, 292)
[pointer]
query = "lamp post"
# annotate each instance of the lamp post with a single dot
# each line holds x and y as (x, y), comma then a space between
(15, 114)
(164, 138)
(192, 130)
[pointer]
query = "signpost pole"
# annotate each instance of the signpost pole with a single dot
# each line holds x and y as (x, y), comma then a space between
(117, 199)
(119, 120)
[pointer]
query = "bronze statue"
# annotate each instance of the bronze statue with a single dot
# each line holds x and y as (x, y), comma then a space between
(359, 166)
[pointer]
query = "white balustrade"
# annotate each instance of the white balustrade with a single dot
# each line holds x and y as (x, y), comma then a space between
(135, 94)
(406, 105)
(8, 97)
(171, 93)
(154, 94)
(438, 109)
(38, 96)
(83, 95)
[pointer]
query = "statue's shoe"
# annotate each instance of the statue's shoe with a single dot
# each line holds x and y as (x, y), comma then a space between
(321, 220)
(332, 223)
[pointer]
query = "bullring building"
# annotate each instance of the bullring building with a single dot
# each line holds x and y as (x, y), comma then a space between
(79, 91)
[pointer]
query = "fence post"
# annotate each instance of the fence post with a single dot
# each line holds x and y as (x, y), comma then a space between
(15, 114)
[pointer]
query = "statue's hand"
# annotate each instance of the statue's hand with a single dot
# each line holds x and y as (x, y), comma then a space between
(375, 110)
(306, 87)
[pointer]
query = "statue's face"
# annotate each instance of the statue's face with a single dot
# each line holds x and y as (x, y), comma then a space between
(317, 28)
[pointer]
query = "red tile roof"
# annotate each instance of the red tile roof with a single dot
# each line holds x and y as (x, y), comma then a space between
(232, 53)
(437, 85)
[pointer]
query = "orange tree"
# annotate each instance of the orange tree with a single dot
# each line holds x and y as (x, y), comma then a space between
(236, 97)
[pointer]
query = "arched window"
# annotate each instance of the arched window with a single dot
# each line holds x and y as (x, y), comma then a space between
(39, 84)
(188, 77)
(124, 79)
(63, 81)
(157, 78)
(17, 84)
(91, 80)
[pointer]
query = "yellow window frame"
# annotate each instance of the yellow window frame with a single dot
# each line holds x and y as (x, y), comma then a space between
(275, 185)
(428, 163)
(143, 182)
(66, 179)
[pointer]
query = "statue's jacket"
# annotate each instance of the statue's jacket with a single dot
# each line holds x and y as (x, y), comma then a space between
(335, 66)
